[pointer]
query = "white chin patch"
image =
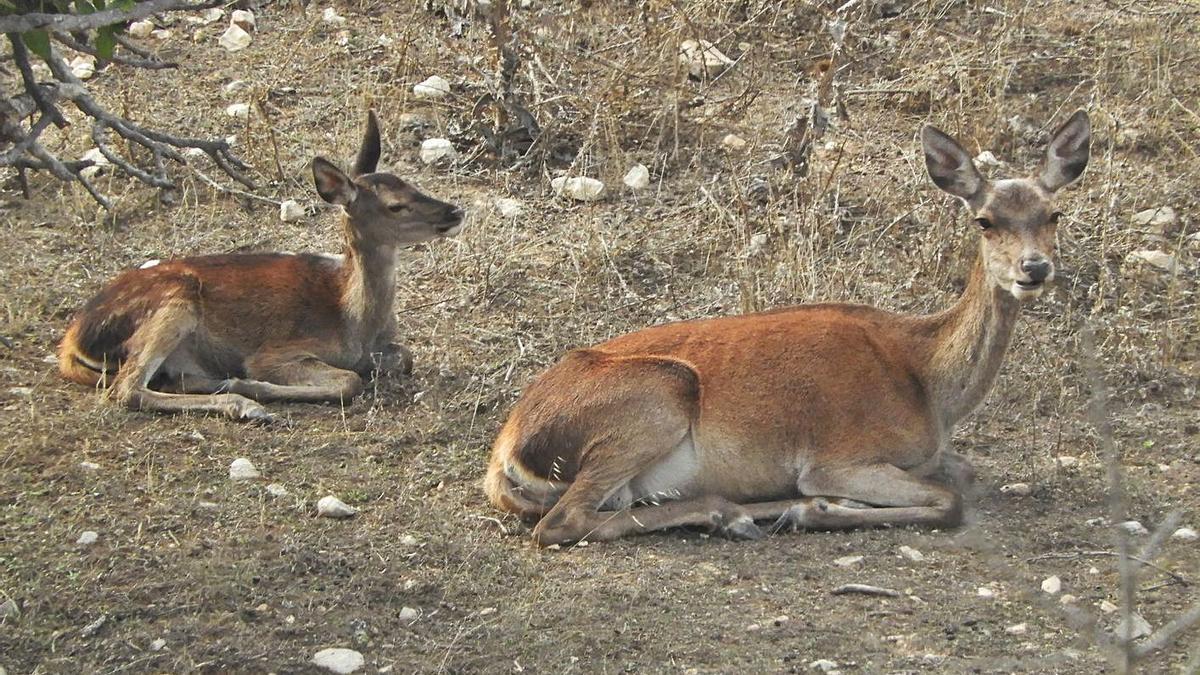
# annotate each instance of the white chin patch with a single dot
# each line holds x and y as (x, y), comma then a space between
(1022, 293)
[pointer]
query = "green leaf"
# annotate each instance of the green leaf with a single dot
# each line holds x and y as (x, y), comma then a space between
(106, 41)
(84, 7)
(38, 42)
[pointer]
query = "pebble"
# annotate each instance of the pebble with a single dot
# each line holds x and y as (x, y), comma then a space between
(332, 507)
(1067, 599)
(235, 86)
(98, 160)
(157, 645)
(987, 160)
(733, 143)
(1158, 259)
(234, 39)
(9, 609)
(757, 243)
(1141, 627)
(243, 469)
(912, 554)
(141, 29)
(1108, 607)
(1133, 527)
(985, 592)
(409, 541)
(338, 660)
(87, 538)
(408, 614)
(290, 211)
(331, 17)
(211, 15)
(1159, 218)
(1051, 585)
(702, 58)
(433, 87)
(162, 34)
(823, 665)
(637, 178)
(1185, 534)
(848, 560)
(243, 19)
(579, 188)
(1017, 629)
(435, 150)
(509, 208)
(83, 66)
(277, 490)
(1066, 461)
(238, 111)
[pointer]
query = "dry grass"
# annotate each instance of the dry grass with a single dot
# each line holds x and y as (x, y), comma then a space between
(233, 579)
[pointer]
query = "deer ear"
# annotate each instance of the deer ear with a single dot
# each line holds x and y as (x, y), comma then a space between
(368, 152)
(1068, 152)
(949, 165)
(334, 186)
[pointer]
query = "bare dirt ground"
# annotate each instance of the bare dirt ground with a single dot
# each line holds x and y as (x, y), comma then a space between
(235, 580)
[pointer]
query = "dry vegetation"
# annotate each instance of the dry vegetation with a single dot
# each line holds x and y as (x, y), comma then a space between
(236, 580)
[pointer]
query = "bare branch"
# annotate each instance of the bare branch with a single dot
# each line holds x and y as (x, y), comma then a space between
(1163, 636)
(21, 58)
(147, 63)
(73, 22)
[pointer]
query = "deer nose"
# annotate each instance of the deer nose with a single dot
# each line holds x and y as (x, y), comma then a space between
(1037, 268)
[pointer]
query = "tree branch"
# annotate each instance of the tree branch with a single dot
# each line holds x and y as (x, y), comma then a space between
(73, 22)
(147, 63)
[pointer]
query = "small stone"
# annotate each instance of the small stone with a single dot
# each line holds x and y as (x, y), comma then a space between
(242, 469)
(1158, 259)
(509, 208)
(243, 19)
(1093, 570)
(89, 466)
(162, 34)
(1051, 585)
(23, 392)
(409, 541)
(435, 150)
(1108, 607)
(235, 86)
(408, 614)
(332, 507)
(234, 39)
(157, 645)
(1066, 461)
(753, 627)
(331, 17)
(276, 490)
(87, 538)
(912, 554)
(580, 188)
(733, 143)
(1159, 218)
(1017, 629)
(985, 592)
(1185, 534)
(1133, 527)
(1096, 522)
(141, 29)
(637, 178)
(290, 211)
(9, 609)
(757, 243)
(91, 629)
(432, 87)
(1141, 627)
(823, 665)
(338, 660)
(702, 58)
(1017, 489)
(986, 160)
(238, 111)
(98, 160)
(83, 66)
(1067, 599)
(385, 41)
(848, 560)
(211, 15)
(781, 619)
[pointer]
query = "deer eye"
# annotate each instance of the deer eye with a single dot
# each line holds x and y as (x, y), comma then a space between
(398, 208)
(1054, 217)
(983, 223)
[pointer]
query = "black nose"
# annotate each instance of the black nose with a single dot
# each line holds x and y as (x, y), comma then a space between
(1037, 269)
(455, 213)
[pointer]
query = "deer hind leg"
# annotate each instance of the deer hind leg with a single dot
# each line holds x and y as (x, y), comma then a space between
(281, 376)
(150, 346)
(897, 498)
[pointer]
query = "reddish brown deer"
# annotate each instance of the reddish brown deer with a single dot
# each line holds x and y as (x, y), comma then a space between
(221, 333)
(824, 416)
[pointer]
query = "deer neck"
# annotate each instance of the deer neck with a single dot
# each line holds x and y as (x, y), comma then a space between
(368, 287)
(969, 343)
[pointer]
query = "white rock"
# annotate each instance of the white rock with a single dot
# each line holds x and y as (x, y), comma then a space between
(1067, 599)
(1141, 627)
(1158, 218)
(580, 188)
(9, 609)
(238, 111)
(385, 41)
(1108, 607)
(141, 29)
(1185, 534)
(1066, 461)
(1133, 527)
(243, 19)
(194, 153)
(1161, 260)
(823, 665)
(487, 611)
(509, 208)
(331, 17)
(912, 553)
(83, 66)
(98, 160)
(848, 560)
(332, 507)
(89, 466)
(637, 178)
(986, 160)
(162, 34)
(433, 87)
(436, 150)
(234, 39)
(242, 469)
(21, 391)
(408, 614)
(702, 58)
(985, 592)
(210, 15)
(409, 541)
(87, 538)
(338, 660)
(757, 243)
(1017, 489)
(1051, 585)
(733, 143)
(290, 211)
(1093, 570)
(276, 490)
(1017, 629)
(235, 86)
(157, 645)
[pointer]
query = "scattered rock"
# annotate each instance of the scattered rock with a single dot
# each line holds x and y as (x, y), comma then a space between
(1066, 461)
(409, 614)
(290, 211)
(823, 665)
(409, 541)
(332, 507)
(912, 554)
(1051, 585)
(235, 86)
(234, 39)
(89, 466)
(277, 490)
(1017, 489)
(1141, 627)
(864, 589)
(211, 15)
(243, 469)
(162, 34)
(487, 611)
(338, 660)
(702, 58)
(433, 87)
(986, 160)
(83, 66)
(753, 627)
(733, 143)
(509, 208)
(331, 17)
(848, 560)
(1185, 534)
(781, 619)
(1093, 570)
(158, 645)
(1108, 607)
(1158, 259)
(9, 609)
(24, 392)
(985, 592)
(98, 160)
(243, 19)
(435, 150)
(141, 29)
(90, 629)
(239, 111)
(1133, 527)
(1159, 218)
(580, 188)
(1067, 599)
(637, 178)
(87, 538)
(1096, 522)
(1017, 629)
(757, 243)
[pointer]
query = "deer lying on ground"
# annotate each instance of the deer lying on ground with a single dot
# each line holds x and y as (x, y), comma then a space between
(222, 333)
(824, 416)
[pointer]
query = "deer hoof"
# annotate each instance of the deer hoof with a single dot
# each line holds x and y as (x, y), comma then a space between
(252, 411)
(742, 528)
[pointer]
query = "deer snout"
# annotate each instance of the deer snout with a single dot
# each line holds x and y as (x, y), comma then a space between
(452, 222)
(1038, 269)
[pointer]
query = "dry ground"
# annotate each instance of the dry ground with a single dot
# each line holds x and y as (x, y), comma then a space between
(236, 580)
